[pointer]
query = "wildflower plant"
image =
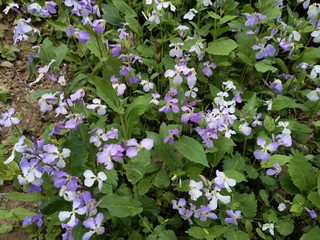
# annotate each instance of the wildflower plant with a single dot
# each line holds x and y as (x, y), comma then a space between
(174, 119)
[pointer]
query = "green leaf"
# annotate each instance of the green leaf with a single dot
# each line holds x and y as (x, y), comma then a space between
(204, 233)
(79, 154)
(223, 145)
(162, 180)
(213, 15)
(301, 172)
(283, 102)
(61, 26)
(96, 45)
(248, 204)
(221, 47)
(144, 185)
(264, 196)
(285, 226)
(277, 158)
(134, 25)
(121, 206)
(234, 162)
(269, 123)
(124, 8)
(60, 54)
(192, 150)
(46, 51)
(233, 174)
(287, 185)
(318, 183)
(311, 55)
(264, 66)
(25, 197)
(236, 235)
(111, 14)
(226, 18)
(132, 114)
(136, 168)
(313, 234)
(314, 197)
(5, 228)
(106, 92)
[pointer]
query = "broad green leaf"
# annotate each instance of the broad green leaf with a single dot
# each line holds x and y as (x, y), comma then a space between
(234, 162)
(106, 92)
(97, 46)
(314, 197)
(301, 172)
(144, 185)
(313, 234)
(318, 183)
(233, 174)
(121, 206)
(223, 145)
(264, 196)
(162, 180)
(205, 233)
(192, 150)
(213, 15)
(236, 235)
(277, 158)
(263, 67)
(111, 14)
(283, 102)
(226, 18)
(46, 51)
(248, 204)
(132, 114)
(269, 123)
(5, 228)
(61, 26)
(311, 55)
(25, 197)
(285, 226)
(79, 154)
(60, 54)
(134, 25)
(287, 185)
(150, 206)
(294, 125)
(136, 168)
(124, 8)
(297, 206)
(221, 47)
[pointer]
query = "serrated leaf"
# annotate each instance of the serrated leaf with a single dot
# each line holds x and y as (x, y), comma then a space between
(301, 172)
(283, 102)
(313, 234)
(124, 8)
(233, 174)
(132, 114)
(192, 150)
(265, 67)
(248, 205)
(277, 158)
(221, 47)
(285, 226)
(79, 154)
(314, 197)
(136, 168)
(106, 92)
(223, 145)
(236, 235)
(25, 197)
(5, 228)
(121, 206)
(269, 123)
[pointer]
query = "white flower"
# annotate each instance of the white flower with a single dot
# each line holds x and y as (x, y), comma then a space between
(315, 71)
(269, 226)
(223, 181)
(91, 178)
(42, 71)
(97, 104)
(195, 188)
(313, 10)
(190, 15)
(147, 86)
(313, 95)
(206, 3)
(18, 147)
(155, 17)
(217, 196)
(11, 5)
(282, 207)
(245, 129)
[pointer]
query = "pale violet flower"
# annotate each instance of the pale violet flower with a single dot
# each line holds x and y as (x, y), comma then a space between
(90, 178)
(76, 208)
(316, 35)
(94, 224)
(215, 196)
(192, 92)
(245, 129)
(97, 104)
(18, 147)
(195, 188)
(8, 118)
(176, 51)
(268, 226)
(155, 17)
(10, 6)
(222, 181)
(313, 95)
(147, 85)
(45, 102)
(42, 71)
(315, 72)
(282, 207)
(206, 3)
(313, 11)
(190, 15)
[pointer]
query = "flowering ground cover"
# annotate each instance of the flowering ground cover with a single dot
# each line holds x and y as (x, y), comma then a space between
(167, 120)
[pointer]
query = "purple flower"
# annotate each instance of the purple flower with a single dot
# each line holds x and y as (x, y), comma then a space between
(77, 207)
(222, 181)
(277, 85)
(269, 50)
(8, 119)
(170, 137)
(133, 79)
(233, 217)
(99, 25)
(94, 224)
(116, 48)
(275, 171)
(124, 70)
(263, 154)
(120, 88)
(207, 70)
(245, 129)
(97, 104)
(253, 18)
(20, 31)
(180, 204)
(108, 153)
(176, 51)
(31, 170)
(36, 218)
(312, 213)
(170, 106)
(203, 213)
(237, 96)
(133, 147)
(176, 73)
(122, 31)
(65, 179)
(256, 121)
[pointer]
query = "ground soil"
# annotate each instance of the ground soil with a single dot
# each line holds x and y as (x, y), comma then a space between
(14, 79)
